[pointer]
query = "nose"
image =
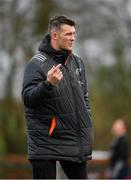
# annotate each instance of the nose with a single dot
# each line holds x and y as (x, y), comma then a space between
(72, 37)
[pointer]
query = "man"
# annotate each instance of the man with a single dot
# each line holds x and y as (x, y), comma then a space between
(56, 105)
(118, 166)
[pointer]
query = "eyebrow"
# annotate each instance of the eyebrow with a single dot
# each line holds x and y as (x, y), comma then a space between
(70, 32)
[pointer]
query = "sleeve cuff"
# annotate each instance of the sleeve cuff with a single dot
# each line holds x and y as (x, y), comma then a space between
(48, 85)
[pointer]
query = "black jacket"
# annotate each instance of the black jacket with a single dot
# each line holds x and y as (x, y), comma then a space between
(118, 166)
(67, 103)
(119, 150)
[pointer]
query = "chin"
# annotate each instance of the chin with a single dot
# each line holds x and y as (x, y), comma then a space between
(69, 49)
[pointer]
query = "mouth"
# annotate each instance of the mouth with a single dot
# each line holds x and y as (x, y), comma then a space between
(71, 45)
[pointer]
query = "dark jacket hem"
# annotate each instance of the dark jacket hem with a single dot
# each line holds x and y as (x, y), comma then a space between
(51, 157)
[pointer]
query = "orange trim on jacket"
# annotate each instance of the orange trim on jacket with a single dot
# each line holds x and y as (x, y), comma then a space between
(53, 125)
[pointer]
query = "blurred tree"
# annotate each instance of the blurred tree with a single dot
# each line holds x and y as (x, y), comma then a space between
(43, 11)
(22, 22)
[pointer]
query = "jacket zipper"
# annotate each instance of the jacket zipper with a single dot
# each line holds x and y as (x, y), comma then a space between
(78, 123)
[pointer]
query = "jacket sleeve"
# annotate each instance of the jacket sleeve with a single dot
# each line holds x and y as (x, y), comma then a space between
(85, 86)
(35, 87)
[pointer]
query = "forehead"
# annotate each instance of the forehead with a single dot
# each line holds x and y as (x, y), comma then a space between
(67, 28)
(119, 124)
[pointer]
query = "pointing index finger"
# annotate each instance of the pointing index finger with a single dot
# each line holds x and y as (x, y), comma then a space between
(57, 67)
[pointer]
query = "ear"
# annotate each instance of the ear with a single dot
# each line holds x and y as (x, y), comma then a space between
(54, 35)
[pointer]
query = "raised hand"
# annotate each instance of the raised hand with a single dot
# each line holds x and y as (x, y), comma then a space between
(54, 75)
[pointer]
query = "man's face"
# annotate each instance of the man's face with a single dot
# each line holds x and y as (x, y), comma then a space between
(65, 37)
(118, 128)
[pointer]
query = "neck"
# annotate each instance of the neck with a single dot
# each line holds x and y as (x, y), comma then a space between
(54, 45)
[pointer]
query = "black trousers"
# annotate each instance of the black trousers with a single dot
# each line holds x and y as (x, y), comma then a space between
(46, 169)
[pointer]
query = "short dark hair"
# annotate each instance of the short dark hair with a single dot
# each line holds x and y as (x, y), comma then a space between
(57, 21)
